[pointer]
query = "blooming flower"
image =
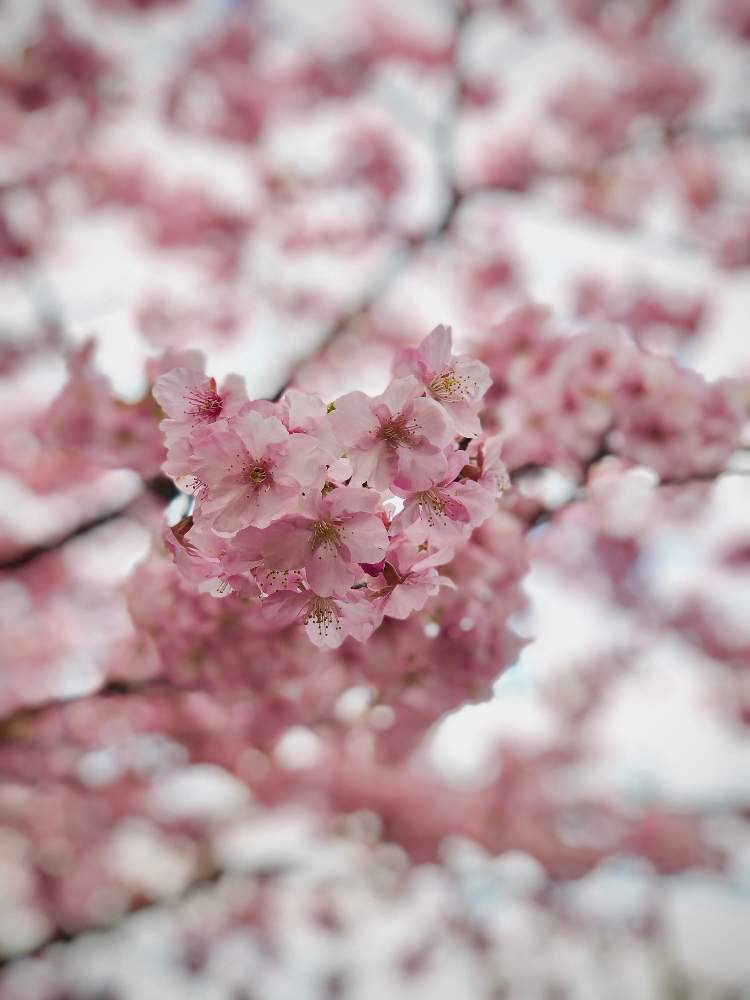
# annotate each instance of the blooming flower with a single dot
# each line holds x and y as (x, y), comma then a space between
(340, 531)
(675, 422)
(199, 554)
(398, 436)
(457, 382)
(410, 578)
(252, 470)
(305, 412)
(327, 620)
(191, 399)
(464, 497)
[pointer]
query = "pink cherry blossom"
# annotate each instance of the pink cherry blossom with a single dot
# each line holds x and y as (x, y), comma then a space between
(200, 557)
(398, 436)
(410, 577)
(454, 505)
(457, 382)
(87, 417)
(191, 399)
(326, 620)
(306, 412)
(252, 470)
(371, 555)
(340, 531)
(675, 422)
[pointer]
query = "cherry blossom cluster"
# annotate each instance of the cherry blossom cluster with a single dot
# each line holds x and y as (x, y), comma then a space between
(412, 670)
(334, 515)
(318, 203)
(562, 399)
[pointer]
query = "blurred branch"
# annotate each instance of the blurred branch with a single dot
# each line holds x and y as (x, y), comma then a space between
(579, 493)
(160, 486)
(410, 247)
(66, 937)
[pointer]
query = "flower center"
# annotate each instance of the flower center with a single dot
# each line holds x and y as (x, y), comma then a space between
(205, 403)
(324, 533)
(432, 499)
(395, 431)
(258, 475)
(322, 613)
(433, 506)
(449, 386)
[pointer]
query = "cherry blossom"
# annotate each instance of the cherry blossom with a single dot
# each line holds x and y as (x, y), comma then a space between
(457, 503)
(326, 620)
(190, 399)
(409, 578)
(251, 471)
(456, 382)
(397, 437)
(352, 657)
(341, 531)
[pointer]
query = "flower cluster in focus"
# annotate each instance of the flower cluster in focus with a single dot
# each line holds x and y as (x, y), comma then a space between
(336, 516)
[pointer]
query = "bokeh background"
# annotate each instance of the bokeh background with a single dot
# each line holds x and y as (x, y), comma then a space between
(297, 188)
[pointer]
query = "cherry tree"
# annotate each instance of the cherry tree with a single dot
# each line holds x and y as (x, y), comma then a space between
(374, 542)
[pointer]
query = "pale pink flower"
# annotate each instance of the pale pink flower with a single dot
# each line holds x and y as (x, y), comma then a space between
(199, 554)
(457, 382)
(336, 533)
(451, 505)
(410, 578)
(327, 620)
(305, 412)
(252, 470)
(87, 418)
(241, 559)
(395, 437)
(675, 422)
(191, 399)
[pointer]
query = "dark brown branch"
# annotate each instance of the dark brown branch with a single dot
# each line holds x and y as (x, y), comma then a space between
(160, 486)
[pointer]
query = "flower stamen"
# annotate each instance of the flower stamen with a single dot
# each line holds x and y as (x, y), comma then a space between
(450, 387)
(324, 533)
(205, 403)
(395, 431)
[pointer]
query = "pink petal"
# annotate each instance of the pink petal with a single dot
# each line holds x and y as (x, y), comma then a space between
(474, 376)
(353, 420)
(365, 537)
(273, 502)
(172, 391)
(408, 597)
(286, 545)
(418, 470)
(304, 410)
(322, 624)
(259, 434)
(399, 394)
(284, 607)
(431, 422)
(360, 618)
(375, 465)
(327, 572)
(465, 419)
(304, 462)
(435, 349)
(352, 500)
(237, 512)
